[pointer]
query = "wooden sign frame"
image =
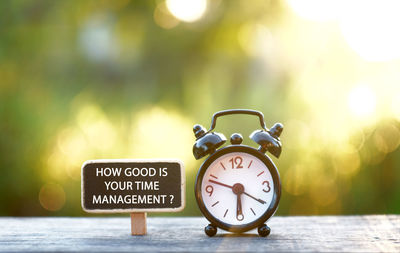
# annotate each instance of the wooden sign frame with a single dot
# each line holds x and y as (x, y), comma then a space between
(138, 215)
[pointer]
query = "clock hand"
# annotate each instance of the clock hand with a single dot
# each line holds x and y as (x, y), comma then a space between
(215, 182)
(239, 213)
(259, 200)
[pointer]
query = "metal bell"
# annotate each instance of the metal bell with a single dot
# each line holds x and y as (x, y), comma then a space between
(269, 140)
(206, 143)
(276, 130)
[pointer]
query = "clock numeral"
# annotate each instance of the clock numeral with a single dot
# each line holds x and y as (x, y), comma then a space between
(268, 189)
(236, 161)
(209, 189)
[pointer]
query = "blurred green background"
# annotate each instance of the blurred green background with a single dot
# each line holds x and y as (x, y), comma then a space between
(84, 80)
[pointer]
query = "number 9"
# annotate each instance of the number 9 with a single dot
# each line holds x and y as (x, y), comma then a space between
(209, 189)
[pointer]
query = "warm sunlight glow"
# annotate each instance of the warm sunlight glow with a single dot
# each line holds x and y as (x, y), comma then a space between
(256, 40)
(316, 10)
(187, 10)
(396, 106)
(159, 133)
(371, 29)
(362, 101)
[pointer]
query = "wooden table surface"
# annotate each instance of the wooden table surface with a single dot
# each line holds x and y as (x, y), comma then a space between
(289, 234)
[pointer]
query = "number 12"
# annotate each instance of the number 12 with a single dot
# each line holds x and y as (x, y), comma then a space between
(237, 160)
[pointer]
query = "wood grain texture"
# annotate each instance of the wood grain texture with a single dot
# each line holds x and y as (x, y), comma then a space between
(138, 223)
(380, 233)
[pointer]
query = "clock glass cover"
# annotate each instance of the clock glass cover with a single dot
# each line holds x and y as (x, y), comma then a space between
(237, 188)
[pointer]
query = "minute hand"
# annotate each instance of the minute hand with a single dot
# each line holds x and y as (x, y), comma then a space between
(259, 200)
(245, 193)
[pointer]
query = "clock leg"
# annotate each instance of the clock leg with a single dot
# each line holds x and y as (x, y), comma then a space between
(210, 230)
(264, 230)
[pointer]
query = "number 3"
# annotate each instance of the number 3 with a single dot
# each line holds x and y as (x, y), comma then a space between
(268, 187)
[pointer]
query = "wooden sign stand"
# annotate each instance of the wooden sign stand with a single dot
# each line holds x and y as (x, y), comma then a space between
(134, 186)
(138, 223)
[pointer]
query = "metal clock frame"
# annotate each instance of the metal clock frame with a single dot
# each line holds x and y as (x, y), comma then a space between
(275, 177)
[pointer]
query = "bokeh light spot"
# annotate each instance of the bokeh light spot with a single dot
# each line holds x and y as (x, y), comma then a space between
(396, 106)
(97, 38)
(346, 161)
(96, 126)
(256, 40)
(163, 18)
(297, 134)
(91, 134)
(72, 150)
(362, 101)
(316, 10)
(158, 133)
(52, 197)
(387, 138)
(294, 181)
(56, 165)
(371, 29)
(323, 191)
(187, 10)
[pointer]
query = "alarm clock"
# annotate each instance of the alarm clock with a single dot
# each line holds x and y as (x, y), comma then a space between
(237, 187)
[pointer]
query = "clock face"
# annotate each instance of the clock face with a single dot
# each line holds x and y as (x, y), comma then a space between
(237, 188)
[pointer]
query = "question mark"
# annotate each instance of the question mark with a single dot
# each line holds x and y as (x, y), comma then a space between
(171, 198)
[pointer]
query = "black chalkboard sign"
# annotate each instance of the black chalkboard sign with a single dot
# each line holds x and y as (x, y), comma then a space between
(118, 186)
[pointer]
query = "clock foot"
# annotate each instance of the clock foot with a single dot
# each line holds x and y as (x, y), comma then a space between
(264, 230)
(210, 230)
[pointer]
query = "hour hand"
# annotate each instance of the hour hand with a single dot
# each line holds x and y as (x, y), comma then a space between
(222, 184)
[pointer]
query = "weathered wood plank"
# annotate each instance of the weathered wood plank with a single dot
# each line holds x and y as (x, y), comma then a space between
(312, 233)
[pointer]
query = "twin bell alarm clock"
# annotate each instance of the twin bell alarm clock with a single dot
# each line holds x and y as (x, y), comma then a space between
(237, 187)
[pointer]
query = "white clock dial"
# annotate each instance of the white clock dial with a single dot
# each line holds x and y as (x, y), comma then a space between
(237, 188)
